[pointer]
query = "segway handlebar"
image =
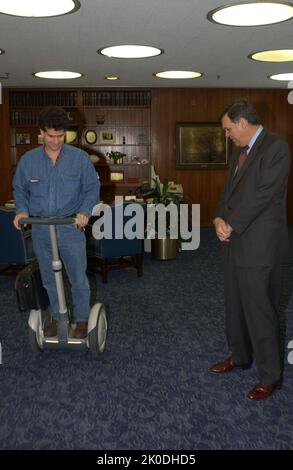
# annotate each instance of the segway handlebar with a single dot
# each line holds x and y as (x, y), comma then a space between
(48, 220)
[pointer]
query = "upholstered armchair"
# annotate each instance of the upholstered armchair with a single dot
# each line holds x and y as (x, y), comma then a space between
(106, 254)
(16, 247)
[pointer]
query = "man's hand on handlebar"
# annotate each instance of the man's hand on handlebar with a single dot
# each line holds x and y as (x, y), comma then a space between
(81, 220)
(22, 215)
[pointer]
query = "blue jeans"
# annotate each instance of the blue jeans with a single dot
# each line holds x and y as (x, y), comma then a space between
(72, 249)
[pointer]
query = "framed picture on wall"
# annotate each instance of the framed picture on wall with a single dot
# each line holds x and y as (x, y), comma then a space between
(201, 145)
(22, 139)
(116, 176)
(107, 137)
(40, 139)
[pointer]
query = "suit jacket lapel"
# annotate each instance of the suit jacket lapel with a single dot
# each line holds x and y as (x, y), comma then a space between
(250, 159)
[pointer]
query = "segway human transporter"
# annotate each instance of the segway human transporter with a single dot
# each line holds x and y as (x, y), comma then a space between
(38, 319)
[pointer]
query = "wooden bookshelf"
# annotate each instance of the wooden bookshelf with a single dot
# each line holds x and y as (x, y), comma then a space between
(124, 113)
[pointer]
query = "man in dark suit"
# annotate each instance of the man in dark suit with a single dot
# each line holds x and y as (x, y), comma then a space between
(251, 222)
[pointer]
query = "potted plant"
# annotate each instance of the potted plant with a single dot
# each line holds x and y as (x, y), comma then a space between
(167, 247)
(116, 156)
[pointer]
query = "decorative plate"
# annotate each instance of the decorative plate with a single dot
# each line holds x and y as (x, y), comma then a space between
(94, 158)
(91, 137)
(71, 137)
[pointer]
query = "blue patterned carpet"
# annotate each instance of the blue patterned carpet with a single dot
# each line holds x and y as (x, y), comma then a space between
(151, 388)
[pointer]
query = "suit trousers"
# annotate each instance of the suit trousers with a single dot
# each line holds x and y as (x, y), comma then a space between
(252, 296)
(72, 249)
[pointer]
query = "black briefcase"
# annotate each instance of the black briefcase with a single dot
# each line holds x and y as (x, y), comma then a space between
(30, 291)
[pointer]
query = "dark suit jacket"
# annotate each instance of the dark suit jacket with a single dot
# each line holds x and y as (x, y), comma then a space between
(254, 203)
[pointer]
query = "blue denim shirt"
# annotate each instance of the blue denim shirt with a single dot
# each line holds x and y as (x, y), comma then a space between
(70, 187)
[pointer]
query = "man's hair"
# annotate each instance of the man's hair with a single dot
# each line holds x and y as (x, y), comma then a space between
(53, 117)
(241, 109)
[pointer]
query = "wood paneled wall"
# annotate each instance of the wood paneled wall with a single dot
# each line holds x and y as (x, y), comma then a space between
(5, 160)
(206, 105)
(170, 105)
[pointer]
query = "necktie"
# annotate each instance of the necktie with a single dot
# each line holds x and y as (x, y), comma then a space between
(242, 157)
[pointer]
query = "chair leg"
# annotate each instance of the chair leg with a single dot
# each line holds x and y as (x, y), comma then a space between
(104, 270)
(139, 265)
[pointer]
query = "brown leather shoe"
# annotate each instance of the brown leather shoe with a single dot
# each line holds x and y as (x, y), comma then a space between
(80, 330)
(261, 392)
(51, 329)
(227, 366)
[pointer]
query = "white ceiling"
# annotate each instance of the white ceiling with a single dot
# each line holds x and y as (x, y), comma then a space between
(179, 27)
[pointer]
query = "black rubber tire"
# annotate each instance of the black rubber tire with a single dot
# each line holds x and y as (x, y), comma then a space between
(98, 335)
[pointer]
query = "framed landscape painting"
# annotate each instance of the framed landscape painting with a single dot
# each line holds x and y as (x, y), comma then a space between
(201, 145)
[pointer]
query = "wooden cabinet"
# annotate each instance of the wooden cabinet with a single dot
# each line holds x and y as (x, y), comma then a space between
(121, 179)
(101, 121)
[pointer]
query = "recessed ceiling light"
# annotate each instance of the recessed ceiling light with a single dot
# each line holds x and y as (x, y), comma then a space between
(286, 77)
(178, 74)
(290, 97)
(128, 51)
(37, 8)
(2, 51)
(275, 55)
(57, 74)
(252, 13)
(112, 77)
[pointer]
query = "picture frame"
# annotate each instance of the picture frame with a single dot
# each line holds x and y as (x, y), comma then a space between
(107, 137)
(91, 137)
(116, 176)
(201, 145)
(40, 139)
(22, 139)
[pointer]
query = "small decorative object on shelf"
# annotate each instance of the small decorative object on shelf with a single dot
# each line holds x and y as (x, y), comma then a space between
(135, 159)
(123, 140)
(94, 158)
(117, 157)
(100, 119)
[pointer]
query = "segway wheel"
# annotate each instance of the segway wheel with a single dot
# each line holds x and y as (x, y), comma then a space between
(98, 327)
(35, 331)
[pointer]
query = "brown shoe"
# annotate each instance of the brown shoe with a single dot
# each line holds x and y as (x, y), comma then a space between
(261, 392)
(51, 329)
(227, 366)
(80, 330)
